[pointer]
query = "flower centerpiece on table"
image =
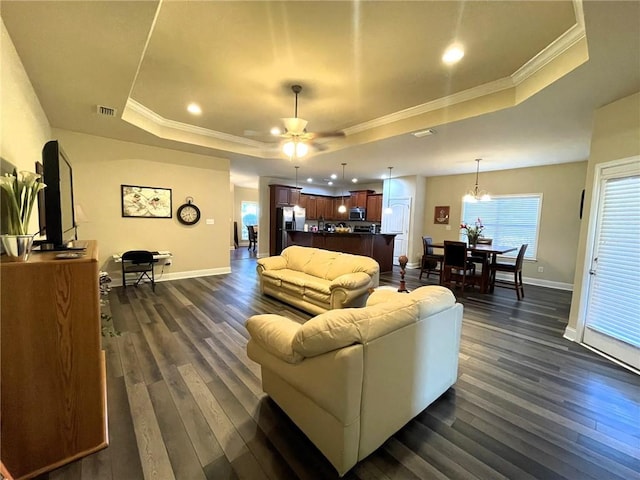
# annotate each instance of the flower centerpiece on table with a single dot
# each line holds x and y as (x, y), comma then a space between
(473, 232)
(20, 193)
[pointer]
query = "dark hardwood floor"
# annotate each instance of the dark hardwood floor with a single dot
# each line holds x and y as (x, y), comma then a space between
(185, 402)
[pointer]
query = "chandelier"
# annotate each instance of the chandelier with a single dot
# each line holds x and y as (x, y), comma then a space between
(476, 194)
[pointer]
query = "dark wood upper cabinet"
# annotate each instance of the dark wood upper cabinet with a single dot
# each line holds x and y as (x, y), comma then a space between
(374, 208)
(359, 198)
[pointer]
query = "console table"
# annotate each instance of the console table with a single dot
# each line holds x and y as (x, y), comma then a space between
(52, 370)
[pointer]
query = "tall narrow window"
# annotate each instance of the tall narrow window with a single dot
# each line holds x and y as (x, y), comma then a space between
(249, 216)
(510, 220)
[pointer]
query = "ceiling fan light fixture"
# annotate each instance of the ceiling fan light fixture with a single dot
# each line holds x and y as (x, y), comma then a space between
(295, 126)
(295, 149)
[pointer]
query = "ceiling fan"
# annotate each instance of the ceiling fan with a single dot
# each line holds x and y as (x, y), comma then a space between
(297, 138)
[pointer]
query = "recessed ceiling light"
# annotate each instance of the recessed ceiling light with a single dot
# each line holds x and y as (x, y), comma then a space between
(354, 180)
(194, 108)
(333, 176)
(275, 131)
(330, 183)
(309, 179)
(453, 54)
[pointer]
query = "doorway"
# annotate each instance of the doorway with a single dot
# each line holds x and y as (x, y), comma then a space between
(612, 280)
(398, 222)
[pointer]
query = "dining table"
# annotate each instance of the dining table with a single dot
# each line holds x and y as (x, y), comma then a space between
(490, 254)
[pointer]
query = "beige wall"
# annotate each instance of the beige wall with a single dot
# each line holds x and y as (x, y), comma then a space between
(240, 195)
(24, 127)
(101, 165)
(616, 135)
(561, 187)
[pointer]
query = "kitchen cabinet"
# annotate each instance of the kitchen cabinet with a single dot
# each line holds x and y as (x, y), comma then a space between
(283, 195)
(310, 204)
(52, 372)
(359, 198)
(325, 207)
(374, 208)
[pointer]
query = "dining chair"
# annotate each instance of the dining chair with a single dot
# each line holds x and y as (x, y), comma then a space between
(431, 262)
(456, 268)
(515, 268)
(481, 259)
(140, 263)
(253, 237)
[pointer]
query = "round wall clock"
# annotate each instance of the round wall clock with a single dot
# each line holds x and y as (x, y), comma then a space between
(188, 213)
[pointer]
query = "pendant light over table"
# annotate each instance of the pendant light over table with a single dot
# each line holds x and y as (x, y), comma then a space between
(476, 194)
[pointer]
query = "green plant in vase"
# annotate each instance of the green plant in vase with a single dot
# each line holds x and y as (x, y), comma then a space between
(19, 194)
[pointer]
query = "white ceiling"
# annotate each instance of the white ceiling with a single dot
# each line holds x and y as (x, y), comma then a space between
(523, 95)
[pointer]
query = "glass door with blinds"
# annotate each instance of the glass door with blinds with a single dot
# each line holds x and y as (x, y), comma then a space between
(612, 315)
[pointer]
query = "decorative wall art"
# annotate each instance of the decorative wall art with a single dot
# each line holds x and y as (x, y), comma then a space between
(441, 215)
(146, 202)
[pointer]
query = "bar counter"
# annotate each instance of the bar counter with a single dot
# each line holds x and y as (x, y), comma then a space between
(378, 246)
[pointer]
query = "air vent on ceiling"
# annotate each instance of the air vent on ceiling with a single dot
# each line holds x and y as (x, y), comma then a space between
(106, 111)
(424, 133)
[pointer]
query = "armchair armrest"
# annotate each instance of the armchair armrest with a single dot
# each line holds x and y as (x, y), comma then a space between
(357, 280)
(272, 263)
(350, 290)
(275, 334)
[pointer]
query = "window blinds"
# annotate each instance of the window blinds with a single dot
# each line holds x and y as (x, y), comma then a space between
(509, 220)
(614, 298)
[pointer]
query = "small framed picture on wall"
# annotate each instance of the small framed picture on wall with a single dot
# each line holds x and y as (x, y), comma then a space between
(145, 202)
(441, 215)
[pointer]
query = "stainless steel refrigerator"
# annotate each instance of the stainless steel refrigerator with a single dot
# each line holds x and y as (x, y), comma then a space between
(288, 218)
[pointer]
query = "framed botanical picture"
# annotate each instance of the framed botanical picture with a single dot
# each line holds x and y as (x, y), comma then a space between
(145, 202)
(441, 215)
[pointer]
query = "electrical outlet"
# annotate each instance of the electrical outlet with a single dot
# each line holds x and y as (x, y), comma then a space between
(540, 269)
(448, 227)
(210, 221)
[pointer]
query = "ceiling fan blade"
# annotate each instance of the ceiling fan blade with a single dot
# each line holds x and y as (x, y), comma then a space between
(335, 134)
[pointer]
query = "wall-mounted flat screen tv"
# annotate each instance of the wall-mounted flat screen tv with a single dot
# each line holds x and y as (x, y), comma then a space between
(59, 225)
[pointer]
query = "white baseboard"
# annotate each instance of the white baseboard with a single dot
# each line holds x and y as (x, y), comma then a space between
(526, 280)
(539, 282)
(165, 277)
(570, 334)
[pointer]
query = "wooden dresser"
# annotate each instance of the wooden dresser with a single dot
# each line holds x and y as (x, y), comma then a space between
(53, 379)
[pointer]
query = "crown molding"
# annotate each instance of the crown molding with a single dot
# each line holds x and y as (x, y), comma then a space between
(159, 120)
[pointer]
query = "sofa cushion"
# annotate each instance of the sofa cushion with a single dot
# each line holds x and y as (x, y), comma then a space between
(340, 328)
(275, 333)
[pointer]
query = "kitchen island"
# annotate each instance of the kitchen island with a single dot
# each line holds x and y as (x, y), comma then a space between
(378, 246)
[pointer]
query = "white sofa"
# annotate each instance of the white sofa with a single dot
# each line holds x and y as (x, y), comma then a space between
(351, 378)
(317, 280)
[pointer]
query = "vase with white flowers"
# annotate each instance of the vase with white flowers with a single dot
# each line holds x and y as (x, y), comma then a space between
(473, 232)
(19, 194)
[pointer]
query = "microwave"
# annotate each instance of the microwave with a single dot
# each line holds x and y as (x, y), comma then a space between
(357, 214)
